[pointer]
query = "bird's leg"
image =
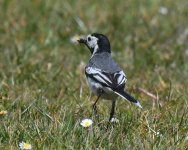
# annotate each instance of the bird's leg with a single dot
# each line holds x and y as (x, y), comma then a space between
(94, 105)
(112, 110)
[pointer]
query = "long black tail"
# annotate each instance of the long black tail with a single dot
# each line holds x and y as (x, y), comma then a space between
(128, 97)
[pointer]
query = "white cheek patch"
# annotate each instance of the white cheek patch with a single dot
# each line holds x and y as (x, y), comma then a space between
(93, 42)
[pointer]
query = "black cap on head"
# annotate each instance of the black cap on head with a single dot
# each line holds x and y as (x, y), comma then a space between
(103, 42)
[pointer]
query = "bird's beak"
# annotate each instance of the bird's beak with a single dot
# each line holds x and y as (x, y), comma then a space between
(82, 40)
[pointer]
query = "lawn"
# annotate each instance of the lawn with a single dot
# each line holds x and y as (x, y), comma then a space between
(43, 92)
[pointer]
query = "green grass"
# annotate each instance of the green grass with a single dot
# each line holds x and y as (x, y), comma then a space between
(42, 83)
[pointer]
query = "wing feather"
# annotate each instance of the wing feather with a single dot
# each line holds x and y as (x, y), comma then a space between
(112, 80)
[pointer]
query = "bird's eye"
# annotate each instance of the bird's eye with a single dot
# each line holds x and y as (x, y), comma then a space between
(89, 39)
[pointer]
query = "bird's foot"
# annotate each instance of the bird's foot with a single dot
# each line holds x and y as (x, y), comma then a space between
(114, 120)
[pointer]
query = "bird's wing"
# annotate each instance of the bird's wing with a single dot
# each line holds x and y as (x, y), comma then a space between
(111, 80)
(103, 69)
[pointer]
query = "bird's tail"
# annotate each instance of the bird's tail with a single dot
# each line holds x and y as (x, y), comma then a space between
(128, 97)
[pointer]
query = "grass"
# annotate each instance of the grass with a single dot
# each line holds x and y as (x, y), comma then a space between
(42, 83)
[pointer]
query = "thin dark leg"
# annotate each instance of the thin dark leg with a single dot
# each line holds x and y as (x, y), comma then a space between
(94, 105)
(112, 110)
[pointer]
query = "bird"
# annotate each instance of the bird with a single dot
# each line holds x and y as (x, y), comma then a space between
(104, 76)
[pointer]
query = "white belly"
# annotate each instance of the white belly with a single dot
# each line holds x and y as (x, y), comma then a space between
(96, 87)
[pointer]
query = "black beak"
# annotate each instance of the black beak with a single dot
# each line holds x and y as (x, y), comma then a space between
(82, 40)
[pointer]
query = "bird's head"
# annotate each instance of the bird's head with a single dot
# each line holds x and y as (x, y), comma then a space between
(96, 43)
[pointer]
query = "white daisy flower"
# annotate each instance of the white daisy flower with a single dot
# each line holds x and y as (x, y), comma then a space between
(86, 123)
(25, 146)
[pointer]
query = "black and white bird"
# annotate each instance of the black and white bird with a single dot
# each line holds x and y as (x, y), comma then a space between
(105, 78)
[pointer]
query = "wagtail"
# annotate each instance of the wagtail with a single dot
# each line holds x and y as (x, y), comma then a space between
(105, 78)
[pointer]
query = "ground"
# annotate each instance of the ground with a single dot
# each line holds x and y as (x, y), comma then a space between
(43, 92)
